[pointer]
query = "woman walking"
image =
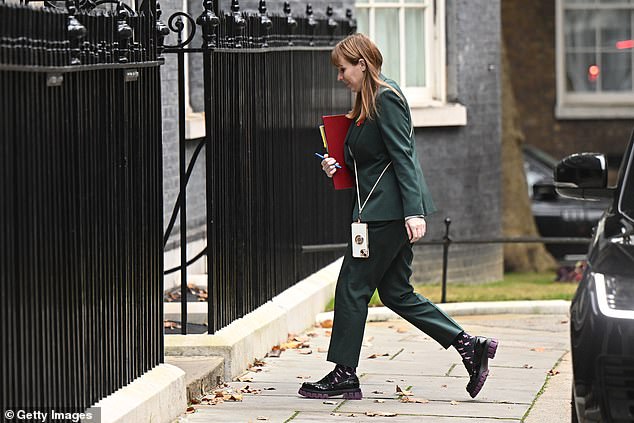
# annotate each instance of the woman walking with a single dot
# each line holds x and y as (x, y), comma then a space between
(392, 201)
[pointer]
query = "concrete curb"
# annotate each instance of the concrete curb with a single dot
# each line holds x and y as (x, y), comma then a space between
(381, 314)
(252, 336)
(157, 396)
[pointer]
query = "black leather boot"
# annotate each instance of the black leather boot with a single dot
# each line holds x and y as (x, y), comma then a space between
(328, 387)
(484, 349)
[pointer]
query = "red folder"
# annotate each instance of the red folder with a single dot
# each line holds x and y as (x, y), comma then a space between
(336, 128)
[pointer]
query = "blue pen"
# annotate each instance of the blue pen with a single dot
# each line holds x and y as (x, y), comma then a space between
(322, 157)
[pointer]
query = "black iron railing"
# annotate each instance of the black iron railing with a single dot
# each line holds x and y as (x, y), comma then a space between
(81, 220)
(267, 82)
(448, 240)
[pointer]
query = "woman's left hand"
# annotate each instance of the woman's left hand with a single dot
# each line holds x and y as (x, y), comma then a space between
(416, 228)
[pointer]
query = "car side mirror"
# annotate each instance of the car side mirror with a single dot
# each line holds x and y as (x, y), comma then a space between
(583, 176)
(544, 191)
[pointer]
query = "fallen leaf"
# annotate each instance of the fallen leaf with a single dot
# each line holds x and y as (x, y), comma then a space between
(400, 392)
(389, 380)
(245, 379)
(326, 324)
(233, 397)
(538, 349)
(378, 355)
(377, 414)
(402, 330)
(312, 334)
(552, 372)
(380, 401)
(563, 322)
(292, 345)
(269, 389)
(378, 392)
(262, 418)
(190, 410)
(454, 403)
(322, 350)
(168, 324)
(303, 377)
(527, 366)
(305, 352)
(248, 390)
(328, 333)
(330, 402)
(274, 353)
(258, 363)
(414, 400)
(194, 401)
(443, 386)
(369, 338)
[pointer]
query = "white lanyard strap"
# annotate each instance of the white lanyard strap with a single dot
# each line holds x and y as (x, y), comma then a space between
(356, 178)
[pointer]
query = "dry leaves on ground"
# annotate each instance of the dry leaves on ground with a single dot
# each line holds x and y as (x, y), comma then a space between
(379, 414)
(190, 410)
(553, 372)
(248, 390)
(327, 324)
(454, 403)
(378, 355)
(414, 400)
(402, 393)
(221, 395)
(527, 366)
(168, 324)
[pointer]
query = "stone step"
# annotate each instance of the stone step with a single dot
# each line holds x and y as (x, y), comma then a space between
(202, 373)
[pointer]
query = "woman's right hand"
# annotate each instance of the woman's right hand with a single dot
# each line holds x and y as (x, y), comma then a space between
(328, 165)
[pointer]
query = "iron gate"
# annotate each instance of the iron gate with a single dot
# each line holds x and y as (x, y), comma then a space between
(267, 82)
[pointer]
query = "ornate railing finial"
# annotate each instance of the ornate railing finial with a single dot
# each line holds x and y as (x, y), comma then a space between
(236, 26)
(124, 33)
(291, 23)
(162, 31)
(265, 25)
(208, 21)
(75, 30)
(332, 24)
(312, 24)
(351, 23)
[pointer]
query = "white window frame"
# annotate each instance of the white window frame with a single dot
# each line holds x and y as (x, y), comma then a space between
(428, 104)
(434, 90)
(585, 105)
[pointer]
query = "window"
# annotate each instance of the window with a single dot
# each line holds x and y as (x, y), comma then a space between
(410, 34)
(595, 70)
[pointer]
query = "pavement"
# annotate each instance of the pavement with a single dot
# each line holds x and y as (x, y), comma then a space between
(530, 377)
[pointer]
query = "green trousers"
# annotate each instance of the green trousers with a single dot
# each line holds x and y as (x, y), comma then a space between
(388, 269)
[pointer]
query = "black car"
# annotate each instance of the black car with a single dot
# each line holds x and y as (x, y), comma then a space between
(557, 216)
(602, 310)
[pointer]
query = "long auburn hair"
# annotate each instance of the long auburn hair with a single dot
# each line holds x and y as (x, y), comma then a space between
(352, 49)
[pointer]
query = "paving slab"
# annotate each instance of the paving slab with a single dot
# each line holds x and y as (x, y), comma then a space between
(530, 346)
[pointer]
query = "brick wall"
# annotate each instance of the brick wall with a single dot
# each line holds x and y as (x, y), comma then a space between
(462, 164)
(529, 34)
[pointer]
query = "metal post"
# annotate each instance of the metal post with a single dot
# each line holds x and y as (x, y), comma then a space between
(182, 166)
(445, 254)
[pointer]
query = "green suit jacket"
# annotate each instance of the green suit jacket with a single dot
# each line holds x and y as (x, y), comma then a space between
(388, 137)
